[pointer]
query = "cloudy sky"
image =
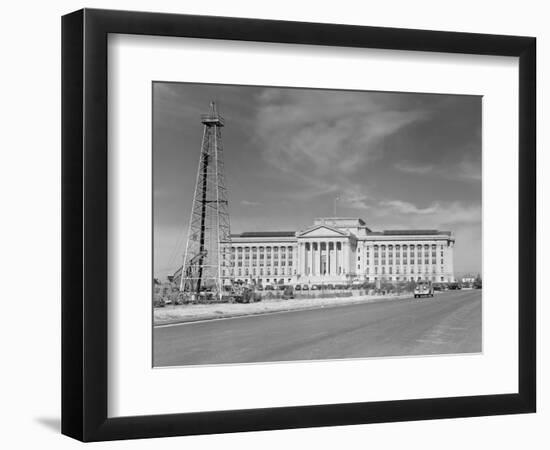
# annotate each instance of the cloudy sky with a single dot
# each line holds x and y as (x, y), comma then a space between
(396, 160)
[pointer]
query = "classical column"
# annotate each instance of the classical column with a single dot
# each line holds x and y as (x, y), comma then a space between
(346, 258)
(336, 257)
(327, 246)
(314, 258)
(329, 259)
(304, 259)
(321, 257)
(310, 258)
(300, 261)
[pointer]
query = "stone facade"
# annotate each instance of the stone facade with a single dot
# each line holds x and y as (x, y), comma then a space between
(340, 250)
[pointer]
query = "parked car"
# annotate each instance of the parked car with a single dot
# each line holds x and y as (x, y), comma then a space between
(288, 293)
(424, 289)
(297, 287)
(305, 287)
(158, 302)
(248, 295)
(454, 286)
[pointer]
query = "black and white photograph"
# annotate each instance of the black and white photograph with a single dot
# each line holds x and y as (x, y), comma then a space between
(299, 224)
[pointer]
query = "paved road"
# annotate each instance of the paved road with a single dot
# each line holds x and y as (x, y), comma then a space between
(448, 323)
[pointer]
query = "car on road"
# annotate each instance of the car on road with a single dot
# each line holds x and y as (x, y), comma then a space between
(424, 289)
(455, 287)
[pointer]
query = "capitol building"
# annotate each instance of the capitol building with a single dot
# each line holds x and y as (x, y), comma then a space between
(340, 250)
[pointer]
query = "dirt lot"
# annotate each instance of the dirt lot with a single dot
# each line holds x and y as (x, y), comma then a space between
(189, 313)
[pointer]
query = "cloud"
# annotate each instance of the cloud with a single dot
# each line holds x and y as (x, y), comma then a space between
(465, 170)
(468, 170)
(409, 208)
(249, 203)
(416, 169)
(320, 139)
(435, 215)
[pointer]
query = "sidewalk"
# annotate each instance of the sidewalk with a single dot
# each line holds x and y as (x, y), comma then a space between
(191, 313)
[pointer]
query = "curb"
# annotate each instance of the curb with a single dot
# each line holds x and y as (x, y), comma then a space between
(259, 313)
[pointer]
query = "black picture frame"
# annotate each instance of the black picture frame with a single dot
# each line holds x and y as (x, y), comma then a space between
(84, 224)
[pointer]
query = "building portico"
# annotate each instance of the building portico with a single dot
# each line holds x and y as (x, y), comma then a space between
(324, 254)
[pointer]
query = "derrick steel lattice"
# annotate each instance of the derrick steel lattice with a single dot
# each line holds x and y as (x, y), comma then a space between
(207, 257)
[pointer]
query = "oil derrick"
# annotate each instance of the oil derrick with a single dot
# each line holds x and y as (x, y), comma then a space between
(207, 258)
